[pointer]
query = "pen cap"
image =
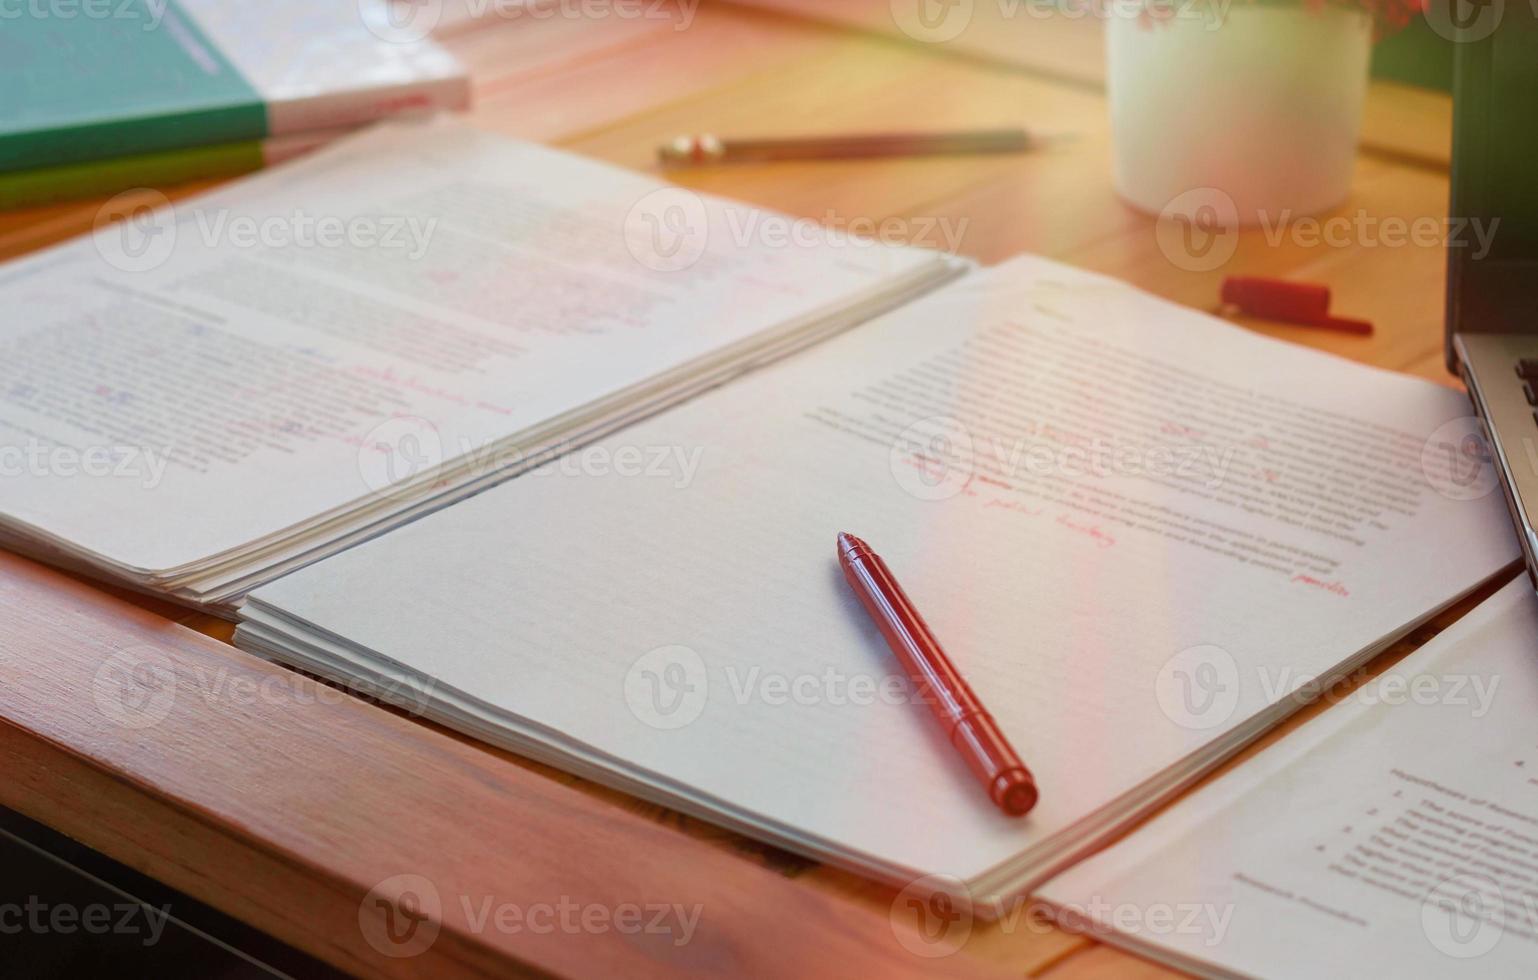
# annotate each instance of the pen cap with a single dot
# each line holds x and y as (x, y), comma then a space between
(1015, 792)
(1278, 299)
(990, 757)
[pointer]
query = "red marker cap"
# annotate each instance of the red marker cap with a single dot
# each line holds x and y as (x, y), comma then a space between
(1304, 303)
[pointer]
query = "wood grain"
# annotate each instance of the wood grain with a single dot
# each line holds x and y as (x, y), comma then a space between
(286, 803)
(1067, 45)
(287, 810)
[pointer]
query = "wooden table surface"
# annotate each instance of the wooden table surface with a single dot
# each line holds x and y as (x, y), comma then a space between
(293, 809)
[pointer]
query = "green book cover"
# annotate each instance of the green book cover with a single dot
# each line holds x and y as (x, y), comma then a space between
(145, 78)
(71, 181)
(162, 168)
(107, 79)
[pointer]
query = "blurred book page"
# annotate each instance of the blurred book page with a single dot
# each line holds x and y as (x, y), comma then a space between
(1395, 835)
(391, 308)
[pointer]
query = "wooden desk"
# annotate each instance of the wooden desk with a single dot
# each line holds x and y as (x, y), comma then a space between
(286, 808)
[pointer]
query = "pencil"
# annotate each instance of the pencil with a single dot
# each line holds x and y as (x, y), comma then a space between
(696, 150)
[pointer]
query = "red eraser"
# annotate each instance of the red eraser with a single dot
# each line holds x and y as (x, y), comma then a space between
(1304, 303)
(1278, 299)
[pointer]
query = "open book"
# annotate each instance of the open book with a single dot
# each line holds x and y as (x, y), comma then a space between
(1140, 532)
(198, 398)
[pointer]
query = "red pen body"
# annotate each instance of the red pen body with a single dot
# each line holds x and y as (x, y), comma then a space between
(967, 723)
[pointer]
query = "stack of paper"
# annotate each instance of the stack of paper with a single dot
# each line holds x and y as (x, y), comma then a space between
(1140, 533)
(1396, 835)
(201, 397)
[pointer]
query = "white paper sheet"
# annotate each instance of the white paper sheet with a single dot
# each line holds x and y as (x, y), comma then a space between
(206, 377)
(1395, 835)
(1097, 498)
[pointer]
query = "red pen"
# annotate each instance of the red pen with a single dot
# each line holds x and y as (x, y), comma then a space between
(971, 729)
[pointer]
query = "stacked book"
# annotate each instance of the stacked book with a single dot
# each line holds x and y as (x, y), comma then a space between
(153, 92)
